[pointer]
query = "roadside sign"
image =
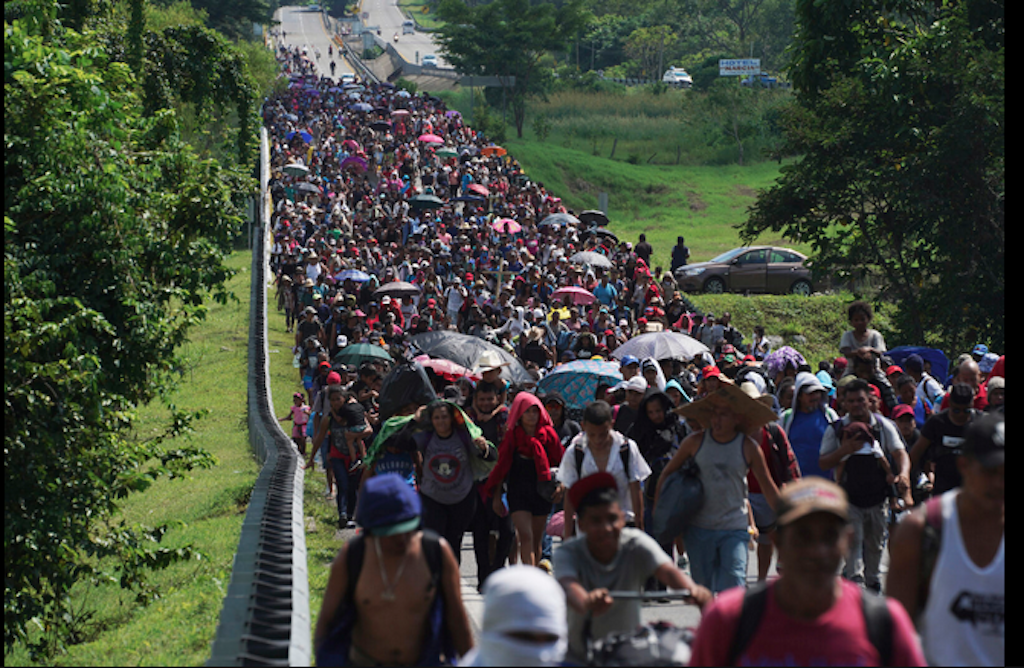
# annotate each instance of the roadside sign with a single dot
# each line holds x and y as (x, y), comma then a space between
(738, 67)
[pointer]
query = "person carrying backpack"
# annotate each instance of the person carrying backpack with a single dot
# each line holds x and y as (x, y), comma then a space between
(809, 616)
(391, 565)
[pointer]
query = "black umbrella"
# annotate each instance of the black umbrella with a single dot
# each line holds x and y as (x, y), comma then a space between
(397, 289)
(466, 350)
(594, 217)
(603, 232)
(307, 187)
(425, 202)
(469, 198)
(380, 126)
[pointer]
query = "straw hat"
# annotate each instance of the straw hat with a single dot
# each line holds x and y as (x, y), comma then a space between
(751, 411)
(489, 360)
(751, 391)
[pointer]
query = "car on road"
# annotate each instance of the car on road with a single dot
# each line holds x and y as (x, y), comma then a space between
(429, 60)
(677, 76)
(348, 78)
(408, 27)
(750, 269)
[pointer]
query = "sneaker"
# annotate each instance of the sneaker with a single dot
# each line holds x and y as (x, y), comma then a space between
(351, 524)
(683, 562)
(545, 565)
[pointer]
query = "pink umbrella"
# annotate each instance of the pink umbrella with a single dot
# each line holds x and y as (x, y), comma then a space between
(506, 225)
(350, 144)
(446, 368)
(431, 139)
(478, 188)
(400, 112)
(578, 295)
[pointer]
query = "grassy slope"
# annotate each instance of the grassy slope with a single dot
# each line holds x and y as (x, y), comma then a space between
(177, 629)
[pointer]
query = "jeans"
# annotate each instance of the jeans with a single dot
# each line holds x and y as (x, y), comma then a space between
(718, 558)
(863, 563)
(346, 491)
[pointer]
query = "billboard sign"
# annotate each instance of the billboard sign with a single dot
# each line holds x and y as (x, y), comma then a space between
(739, 67)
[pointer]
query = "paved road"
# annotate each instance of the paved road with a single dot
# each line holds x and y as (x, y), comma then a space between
(304, 28)
(387, 15)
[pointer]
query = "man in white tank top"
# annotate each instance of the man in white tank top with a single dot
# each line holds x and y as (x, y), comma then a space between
(962, 622)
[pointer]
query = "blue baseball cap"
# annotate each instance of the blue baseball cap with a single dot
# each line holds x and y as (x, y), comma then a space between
(388, 506)
(980, 350)
(629, 359)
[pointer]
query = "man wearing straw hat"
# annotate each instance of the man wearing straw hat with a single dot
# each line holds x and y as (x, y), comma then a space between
(717, 537)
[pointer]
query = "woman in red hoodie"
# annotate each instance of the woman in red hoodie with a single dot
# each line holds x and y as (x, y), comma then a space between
(527, 452)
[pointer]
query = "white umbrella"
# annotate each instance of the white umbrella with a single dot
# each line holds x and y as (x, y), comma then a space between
(661, 345)
(296, 169)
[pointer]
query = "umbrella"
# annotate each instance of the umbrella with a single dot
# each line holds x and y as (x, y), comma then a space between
(594, 217)
(350, 144)
(506, 225)
(306, 137)
(335, 89)
(591, 258)
(397, 289)
(353, 162)
(352, 274)
(469, 198)
(452, 114)
(425, 202)
(661, 345)
(560, 219)
(479, 189)
(577, 381)
(431, 139)
(446, 152)
(578, 295)
(403, 93)
(447, 369)
(777, 360)
(380, 126)
(493, 150)
(361, 106)
(604, 232)
(465, 350)
(938, 359)
(358, 353)
(307, 187)
(400, 112)
(295, 169)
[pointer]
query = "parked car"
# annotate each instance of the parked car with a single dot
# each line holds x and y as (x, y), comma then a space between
(429, 60)
(750, 269)
(677, 76)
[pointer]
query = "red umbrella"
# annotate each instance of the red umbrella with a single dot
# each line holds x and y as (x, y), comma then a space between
(478, 188)
(446, 368)
(506, 225)
(578, 295)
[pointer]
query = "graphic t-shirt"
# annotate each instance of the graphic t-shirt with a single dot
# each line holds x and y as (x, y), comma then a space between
(447, 477)
(945, 440)
(836, 638)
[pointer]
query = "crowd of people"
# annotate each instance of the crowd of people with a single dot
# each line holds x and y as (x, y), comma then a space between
(393, 218)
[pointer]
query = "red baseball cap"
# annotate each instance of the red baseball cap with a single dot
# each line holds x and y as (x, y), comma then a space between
(584, 486)
(710, 372)
(900, 411)
(893, 369)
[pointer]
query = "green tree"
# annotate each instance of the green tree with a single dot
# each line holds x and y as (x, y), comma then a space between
(902, 133)
(115, 234)
(647, 47)
(505, 39)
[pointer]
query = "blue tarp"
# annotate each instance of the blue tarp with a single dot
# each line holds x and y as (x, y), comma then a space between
(937, 358)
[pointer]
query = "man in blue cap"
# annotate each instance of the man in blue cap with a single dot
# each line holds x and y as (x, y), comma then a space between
(394, 563)
(629, 366)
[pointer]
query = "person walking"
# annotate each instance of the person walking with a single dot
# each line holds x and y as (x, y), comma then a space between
(680, 254)
(954, 583)
(806, 422)
(717, 537)
(809, 616)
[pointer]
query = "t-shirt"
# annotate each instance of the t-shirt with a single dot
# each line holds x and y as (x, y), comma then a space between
(872, 339)
(836, 638)
(397, 462)
(944, 439)
(638, 557)
(639, 470)
(805, 432)
(447, 477)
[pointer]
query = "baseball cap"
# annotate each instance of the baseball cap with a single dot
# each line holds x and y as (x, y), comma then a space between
(584, 486)
(811, 495)
(980, 350)
(710, 372)
(628, 359)
(900, 411)
(961, 394)
(985, 440)
(636, 383)
(388, 506)
(893, 369)
(914, 363)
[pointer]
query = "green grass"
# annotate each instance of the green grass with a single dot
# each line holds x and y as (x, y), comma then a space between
(178, 627)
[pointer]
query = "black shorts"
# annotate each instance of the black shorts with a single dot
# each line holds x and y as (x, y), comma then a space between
(522, 489)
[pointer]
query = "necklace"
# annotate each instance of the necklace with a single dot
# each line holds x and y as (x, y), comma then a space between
(389, 587)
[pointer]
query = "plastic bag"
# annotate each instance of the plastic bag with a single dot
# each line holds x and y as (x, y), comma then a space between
(406, 384)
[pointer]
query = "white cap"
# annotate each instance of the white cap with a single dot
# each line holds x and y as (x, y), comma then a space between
(637, 383)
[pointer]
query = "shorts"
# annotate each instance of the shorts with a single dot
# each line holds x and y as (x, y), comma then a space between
(357, 429)
(764, 517)
(522, 489)
(299, 431)
(307, 382)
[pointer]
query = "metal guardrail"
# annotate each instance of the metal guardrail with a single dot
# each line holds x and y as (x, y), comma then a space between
(265, 620)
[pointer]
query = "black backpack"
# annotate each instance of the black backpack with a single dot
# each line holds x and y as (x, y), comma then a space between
(876, 616)
(623, 454)
(871, 488)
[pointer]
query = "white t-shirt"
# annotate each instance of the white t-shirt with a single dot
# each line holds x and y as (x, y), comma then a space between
(638, 467)
(454, 298)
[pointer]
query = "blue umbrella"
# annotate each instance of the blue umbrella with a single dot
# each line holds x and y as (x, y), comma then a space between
(577, 381)
(306, 137)
(938, 359)
(353, 274)
(361, 106)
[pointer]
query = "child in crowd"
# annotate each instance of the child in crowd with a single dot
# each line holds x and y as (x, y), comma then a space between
(299, 415)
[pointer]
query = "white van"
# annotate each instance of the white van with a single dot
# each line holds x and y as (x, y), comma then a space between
(677, 76)
(408, 27)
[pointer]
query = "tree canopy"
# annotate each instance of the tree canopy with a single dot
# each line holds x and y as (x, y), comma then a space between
(115, 235)
(900, 122)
